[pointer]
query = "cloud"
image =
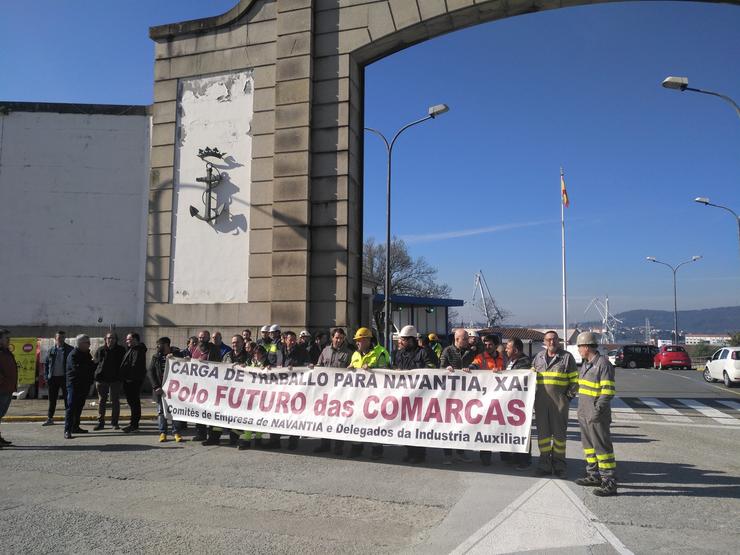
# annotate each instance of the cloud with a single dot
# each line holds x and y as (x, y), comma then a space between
(424, 238)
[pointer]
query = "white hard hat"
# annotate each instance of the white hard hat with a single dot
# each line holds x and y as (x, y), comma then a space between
(586, 338)
(274, 327)
(474, 334)
(264, 328)
(304, 333)
(408, 331)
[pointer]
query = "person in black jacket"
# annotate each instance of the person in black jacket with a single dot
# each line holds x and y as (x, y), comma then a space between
(79, 376)
(108, 379)
(133, 371)
(410, 356)
(290, 353)
(55, 368)
(155, 373)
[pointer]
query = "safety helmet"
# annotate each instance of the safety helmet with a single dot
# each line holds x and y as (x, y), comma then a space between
(408, 331)
(304, 333)
(473, 334)
(264, 328)
(274, 328)
(433, 337)
(363, 333)
(586, 338)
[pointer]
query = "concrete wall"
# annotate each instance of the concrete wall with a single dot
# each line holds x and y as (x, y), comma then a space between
(210, 262)
(308, 59)
(73, 201)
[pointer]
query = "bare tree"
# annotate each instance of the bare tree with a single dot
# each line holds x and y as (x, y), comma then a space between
(409, 276)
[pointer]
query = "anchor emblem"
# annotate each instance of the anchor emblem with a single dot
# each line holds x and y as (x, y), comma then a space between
(212, 179)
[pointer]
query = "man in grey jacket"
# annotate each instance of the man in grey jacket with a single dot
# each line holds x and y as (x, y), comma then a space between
(54, 370)
(596, 390)
(334, 355)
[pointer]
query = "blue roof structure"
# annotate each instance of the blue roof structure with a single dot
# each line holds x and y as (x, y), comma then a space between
(418, 301)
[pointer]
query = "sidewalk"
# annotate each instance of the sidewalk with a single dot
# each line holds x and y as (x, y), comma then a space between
(35, 410)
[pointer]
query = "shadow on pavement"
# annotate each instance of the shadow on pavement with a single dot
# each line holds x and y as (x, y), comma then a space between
(639, 478)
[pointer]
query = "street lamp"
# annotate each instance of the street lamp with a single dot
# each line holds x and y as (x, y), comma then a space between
(675, 304)
(705, 202)
(432, 113)
(682, 84)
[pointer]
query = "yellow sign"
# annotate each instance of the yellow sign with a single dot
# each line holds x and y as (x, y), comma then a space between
(24, 350)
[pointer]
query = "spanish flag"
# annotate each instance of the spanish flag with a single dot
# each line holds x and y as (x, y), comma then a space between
(563, 192)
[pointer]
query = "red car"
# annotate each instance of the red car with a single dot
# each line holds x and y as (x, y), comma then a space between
(672, 356)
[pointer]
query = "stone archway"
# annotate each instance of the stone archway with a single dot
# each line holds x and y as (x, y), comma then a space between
(307, 60)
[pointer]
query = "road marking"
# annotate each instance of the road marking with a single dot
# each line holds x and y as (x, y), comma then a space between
(722, 389)
(683, 424)
(666, 411)
(710, 412)
(623, 410)
(735, 405)
(550, 508)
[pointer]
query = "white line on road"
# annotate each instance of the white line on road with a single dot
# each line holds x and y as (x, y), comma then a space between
(618, 546)
(710, 412)
(623, 410)
(735, 405)
(666, 411)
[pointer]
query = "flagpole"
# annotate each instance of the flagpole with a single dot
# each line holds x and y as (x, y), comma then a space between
(565, 294)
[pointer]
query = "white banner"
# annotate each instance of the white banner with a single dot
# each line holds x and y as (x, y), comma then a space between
(481, 410)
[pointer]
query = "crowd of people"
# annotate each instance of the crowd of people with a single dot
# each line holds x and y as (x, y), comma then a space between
(116, 369)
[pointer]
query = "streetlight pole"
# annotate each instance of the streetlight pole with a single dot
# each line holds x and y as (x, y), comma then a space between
(433, 112)
(675, 296)
(682, 84)
(705, 202)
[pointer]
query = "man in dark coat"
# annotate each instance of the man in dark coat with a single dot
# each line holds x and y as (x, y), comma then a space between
(155, 373)
(79, 376)
(54, 369)
(108, 379)
(133, 372)
(290, 353)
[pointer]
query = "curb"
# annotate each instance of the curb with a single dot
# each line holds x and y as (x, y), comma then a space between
(31, 418)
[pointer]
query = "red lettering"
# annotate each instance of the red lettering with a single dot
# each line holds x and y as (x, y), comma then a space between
(411, 408)
(389, 408)
(370, 413)
(452, 410)
(282, 402)
(469, 416)
(494, 413)
(348, 408)
(298, 403)
(220, 394)
(517, 416)
(251, 394)
(173, 386)
(235, 403)
(433, 411)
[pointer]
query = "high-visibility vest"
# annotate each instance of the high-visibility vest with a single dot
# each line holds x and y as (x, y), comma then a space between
(437, 347)
(377, 357)
(486, 361)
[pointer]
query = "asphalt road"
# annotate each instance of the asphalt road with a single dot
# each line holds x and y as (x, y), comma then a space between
(110, 492)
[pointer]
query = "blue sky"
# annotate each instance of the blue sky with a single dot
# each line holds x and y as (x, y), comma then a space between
(577, 87)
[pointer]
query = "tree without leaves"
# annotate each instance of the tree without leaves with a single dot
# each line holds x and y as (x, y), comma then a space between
(409, 276)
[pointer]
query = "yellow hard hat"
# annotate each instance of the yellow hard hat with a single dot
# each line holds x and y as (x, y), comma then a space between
(363, 333)
(433, 337)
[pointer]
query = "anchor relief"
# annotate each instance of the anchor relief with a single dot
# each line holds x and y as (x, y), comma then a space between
(212, 179)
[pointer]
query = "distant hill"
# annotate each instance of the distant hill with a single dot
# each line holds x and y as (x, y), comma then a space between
(707, 320)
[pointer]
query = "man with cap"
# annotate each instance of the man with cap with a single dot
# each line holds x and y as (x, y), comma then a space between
(596, 389)
(264, 335)
(275, 344)
(410, 356)
(365, 357)
(557, 383)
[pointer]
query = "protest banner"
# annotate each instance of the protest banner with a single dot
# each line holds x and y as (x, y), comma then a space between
(480, 410)
(24, 350)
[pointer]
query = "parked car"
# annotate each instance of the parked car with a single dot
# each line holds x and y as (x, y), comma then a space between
(635, 356)
(612, 356)
(672, 356)
(724, 365)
